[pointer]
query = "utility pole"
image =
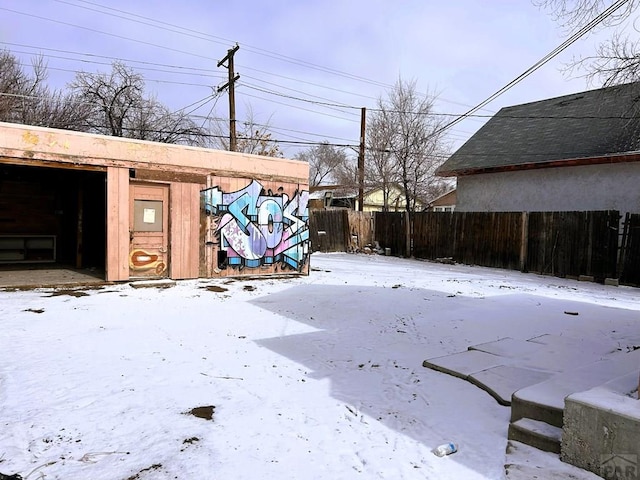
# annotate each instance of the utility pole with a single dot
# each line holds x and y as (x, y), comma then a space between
(363, 124)
(233, 139)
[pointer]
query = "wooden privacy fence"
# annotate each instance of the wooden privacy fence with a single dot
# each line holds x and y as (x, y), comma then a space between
(570, 244)
(564, 244)
(340, 230)
(391, 232)
(629, 258)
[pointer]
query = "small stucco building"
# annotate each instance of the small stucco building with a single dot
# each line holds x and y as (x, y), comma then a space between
(577, 152)
(138, 209)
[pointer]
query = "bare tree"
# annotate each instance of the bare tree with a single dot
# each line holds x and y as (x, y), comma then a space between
(324, 162)
(252, 137)
(119, 107)
(408, 144)
(25, 97)
(381, 170)
(617, 59)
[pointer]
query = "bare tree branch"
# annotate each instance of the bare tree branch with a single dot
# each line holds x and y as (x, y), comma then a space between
(617, 59)
(406, 145)
(120, 108)
(25, 98)
(324, 160)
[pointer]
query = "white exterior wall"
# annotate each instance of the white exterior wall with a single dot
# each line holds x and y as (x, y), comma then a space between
(584, 188)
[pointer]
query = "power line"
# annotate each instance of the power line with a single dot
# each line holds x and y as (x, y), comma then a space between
(300, 108)
(194, 70)
(145, 78)
(334, 106)
(216, 39)
(172, 49)
(122, 37)
(564, 45)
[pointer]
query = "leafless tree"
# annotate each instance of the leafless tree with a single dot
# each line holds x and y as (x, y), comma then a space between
(25, 97)
(252, 137)
(381, 169)
(615, 60)
(407, 144)
(324, 162)
(120, 107)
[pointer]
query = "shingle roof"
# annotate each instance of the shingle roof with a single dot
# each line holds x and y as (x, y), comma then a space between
(595, 123)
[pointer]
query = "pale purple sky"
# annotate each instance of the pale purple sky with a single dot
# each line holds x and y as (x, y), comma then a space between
(331, 51)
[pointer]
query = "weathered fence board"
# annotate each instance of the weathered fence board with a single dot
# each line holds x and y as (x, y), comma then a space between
(630, 252)
(573, 243)
(434, 235)
(391, 232)
(360, 229)
(329, 230)
(489, 239)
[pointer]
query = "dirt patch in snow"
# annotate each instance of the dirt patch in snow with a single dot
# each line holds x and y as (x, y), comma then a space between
(205, 413)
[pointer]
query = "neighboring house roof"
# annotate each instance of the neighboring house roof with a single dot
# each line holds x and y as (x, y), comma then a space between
(601, 125)
(448, 198)
(336, 191)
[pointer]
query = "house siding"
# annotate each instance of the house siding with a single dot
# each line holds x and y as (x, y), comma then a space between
(580, 188)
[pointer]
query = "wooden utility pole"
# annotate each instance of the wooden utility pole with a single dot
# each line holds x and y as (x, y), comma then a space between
(233, 139)
(363, 124)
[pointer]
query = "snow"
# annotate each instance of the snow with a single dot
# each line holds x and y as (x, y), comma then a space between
(316, 377)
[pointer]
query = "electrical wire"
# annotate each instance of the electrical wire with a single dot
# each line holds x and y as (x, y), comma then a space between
(194, 70)
(145, 20)
(563, 46)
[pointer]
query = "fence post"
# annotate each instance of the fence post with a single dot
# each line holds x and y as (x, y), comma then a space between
(407, 221)
(524, 241)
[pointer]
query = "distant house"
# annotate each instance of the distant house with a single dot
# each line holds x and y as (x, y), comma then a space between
(373, 200)
(336, 196)
(325, 197)
(572, 153)
(444, 203)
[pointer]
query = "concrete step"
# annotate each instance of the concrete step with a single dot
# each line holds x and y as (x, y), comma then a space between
(523, 462)
(536, 434)
(523, 407)
(545, 401)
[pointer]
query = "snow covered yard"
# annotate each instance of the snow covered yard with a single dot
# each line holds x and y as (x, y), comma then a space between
(309, 378)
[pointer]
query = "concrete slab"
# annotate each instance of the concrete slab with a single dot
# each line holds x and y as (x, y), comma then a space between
(464, 364)
(161, 283)
(47, 276)
(502, 381)
(598, 345)
(508, 347)
(552, 392)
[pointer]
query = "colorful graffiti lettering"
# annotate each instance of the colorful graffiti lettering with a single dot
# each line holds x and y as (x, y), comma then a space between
(261, 229)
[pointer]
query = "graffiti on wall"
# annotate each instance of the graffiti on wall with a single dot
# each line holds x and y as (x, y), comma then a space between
(260, 228)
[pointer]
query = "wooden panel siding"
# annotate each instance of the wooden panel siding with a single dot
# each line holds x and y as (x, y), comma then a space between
(184, 199)
(117, 267)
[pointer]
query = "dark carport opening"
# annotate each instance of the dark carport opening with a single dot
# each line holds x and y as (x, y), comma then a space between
(52, 218)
